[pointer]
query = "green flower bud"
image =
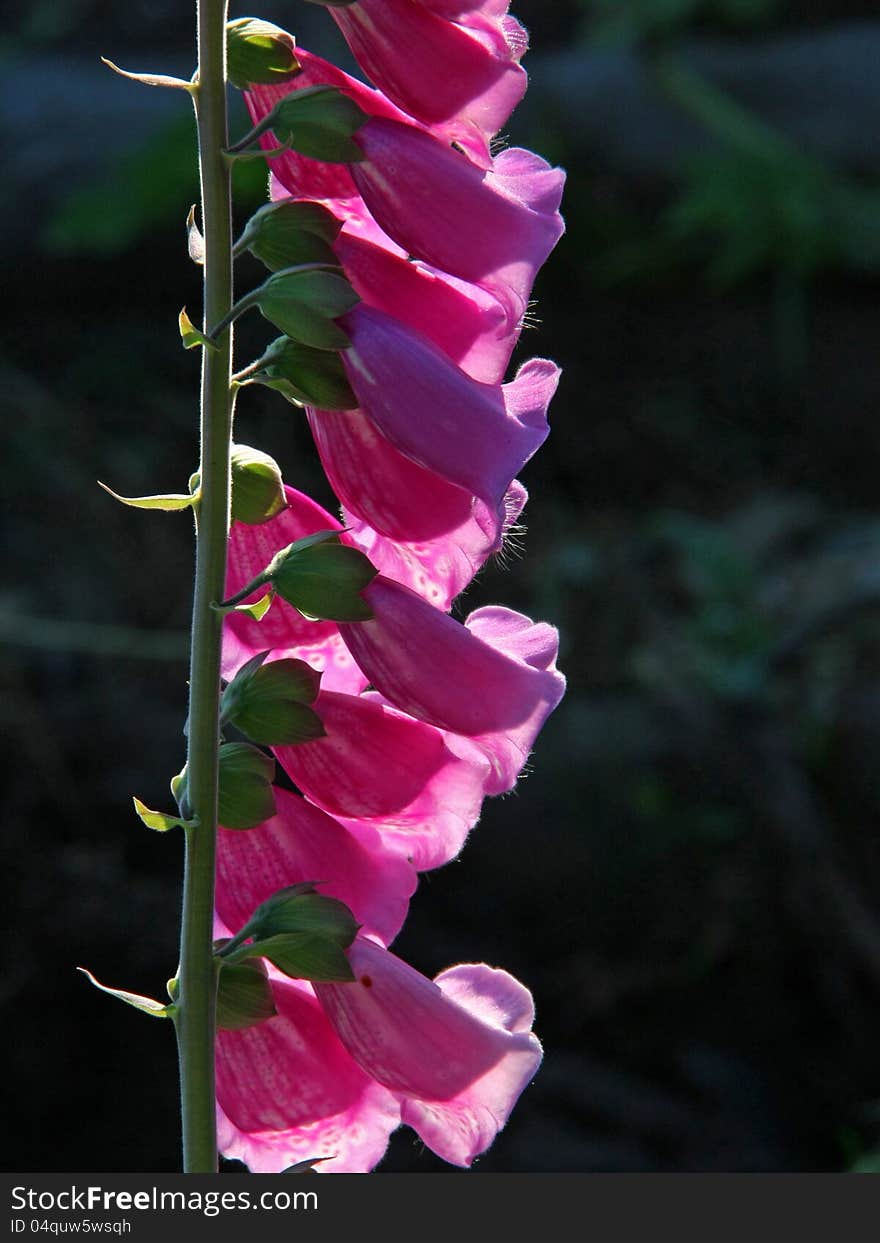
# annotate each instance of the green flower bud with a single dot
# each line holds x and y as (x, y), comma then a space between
(323, 578)
(257, 489)
(259, 52)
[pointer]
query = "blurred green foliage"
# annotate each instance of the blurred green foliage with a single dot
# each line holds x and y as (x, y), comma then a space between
(632, 20)
(142, 190)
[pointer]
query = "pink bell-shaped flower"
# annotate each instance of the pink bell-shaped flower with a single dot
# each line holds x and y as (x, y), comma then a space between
(341, 1065)
(492, 226)
(436, 70)
(493, 679)
(477, 436)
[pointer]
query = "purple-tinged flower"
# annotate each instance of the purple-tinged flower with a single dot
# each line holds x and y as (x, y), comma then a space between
(477, 436)
(492, 226)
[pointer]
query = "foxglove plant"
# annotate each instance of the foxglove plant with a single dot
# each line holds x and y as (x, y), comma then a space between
(401, 250)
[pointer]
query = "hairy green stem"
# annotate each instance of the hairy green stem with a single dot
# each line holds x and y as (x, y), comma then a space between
(195, 1019)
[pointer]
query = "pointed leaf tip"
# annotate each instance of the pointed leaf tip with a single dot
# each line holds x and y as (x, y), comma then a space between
(168, 502)
(190, 335)
(147, 1005)
(259, 609)
(150, 79)
(158, 821)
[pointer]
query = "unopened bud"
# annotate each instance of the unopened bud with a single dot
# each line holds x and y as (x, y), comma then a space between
(259, 52)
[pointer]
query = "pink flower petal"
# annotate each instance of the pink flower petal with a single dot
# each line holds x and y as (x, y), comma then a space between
(441, 568)
(287, 1090)
(466, 322)
(283, 630)
(477, 436)
(439, 671)
(377, 482)
(302, 843)
(433, 69)
(378, 764)
(458, 1074)
(494, 227)
(432, 829)
(458, 1131)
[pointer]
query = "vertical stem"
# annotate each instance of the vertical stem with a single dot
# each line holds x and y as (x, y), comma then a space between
(195, 1019)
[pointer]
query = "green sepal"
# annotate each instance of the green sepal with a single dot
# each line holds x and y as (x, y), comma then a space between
(305, 304)
(286, 233)
(245, 797)
(158, 821)
(318, 122)
(300, 908)
(244, 996)
(302, 956)
(323, 578)
(169, 502)
(190, 335)
(305, 376)
(307, 1166)
(268, 703)
(147, 1005)
(259, 52)
(257, 489)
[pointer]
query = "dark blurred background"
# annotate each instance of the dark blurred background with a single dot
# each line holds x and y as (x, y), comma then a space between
(689, 877)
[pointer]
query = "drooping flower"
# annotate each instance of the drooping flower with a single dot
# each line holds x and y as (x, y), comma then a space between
(341, 1065)
(489, 221)
(435, 69)
(492, 679)
(465, 321)
(477, 436)
(411, 788)
(493, 226)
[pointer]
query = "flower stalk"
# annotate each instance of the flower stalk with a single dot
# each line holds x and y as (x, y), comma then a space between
(195, 1015)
